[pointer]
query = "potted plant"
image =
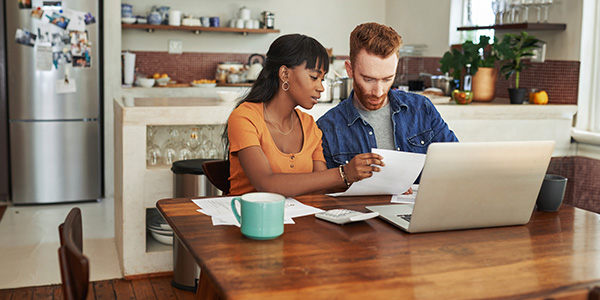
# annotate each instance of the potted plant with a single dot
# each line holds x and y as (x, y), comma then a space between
(482, 58)
(520, 46)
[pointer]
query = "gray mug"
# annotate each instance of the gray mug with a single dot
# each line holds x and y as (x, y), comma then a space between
(551, 193)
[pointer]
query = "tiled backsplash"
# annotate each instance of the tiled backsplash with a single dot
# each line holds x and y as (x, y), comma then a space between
(559, 78)
(583, 186)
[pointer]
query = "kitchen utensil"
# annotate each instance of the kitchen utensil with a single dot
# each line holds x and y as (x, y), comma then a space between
(345, 87)
(154, 17)
(175, 18)
(164, 14)
(146, 82)
(214, 21)
(255, 67)
(244, 13)
(268, 19)
(126, 11)
(442, 82)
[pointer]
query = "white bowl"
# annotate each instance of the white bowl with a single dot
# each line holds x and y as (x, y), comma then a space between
(128, 20)
(163, 80)
(228, 95)
(165, 239)
(146, 82)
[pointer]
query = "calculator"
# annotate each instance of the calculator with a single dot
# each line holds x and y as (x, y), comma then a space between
(343, 216)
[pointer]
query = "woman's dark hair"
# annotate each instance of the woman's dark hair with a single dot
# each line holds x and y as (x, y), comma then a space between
(290, 50)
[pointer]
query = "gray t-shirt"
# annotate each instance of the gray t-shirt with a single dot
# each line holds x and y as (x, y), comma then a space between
(381, 121)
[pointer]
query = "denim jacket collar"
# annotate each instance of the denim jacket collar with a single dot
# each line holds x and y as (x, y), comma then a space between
(352, 113)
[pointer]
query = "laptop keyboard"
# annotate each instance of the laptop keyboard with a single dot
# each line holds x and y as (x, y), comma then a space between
(405, 217)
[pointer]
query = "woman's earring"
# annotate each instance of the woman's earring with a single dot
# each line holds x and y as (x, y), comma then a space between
(285, 86)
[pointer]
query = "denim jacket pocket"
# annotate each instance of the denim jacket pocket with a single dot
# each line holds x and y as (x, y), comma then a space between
(344, 158)
(421, 139)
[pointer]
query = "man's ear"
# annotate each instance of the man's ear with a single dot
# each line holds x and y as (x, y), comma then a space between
(283, 73)
(349, 68)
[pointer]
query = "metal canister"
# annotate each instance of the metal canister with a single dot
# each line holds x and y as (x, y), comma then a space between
(268, 19)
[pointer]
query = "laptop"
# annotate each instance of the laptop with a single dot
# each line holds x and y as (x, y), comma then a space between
(474, 185)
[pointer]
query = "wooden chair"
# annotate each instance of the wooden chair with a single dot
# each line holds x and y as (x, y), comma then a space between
(217, 172)
(74, 266)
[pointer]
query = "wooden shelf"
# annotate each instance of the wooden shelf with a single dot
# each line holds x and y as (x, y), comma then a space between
(196, 29)
(519, 26)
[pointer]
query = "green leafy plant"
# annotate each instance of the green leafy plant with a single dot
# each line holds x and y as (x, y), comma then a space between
(480, 55)
(517, 47)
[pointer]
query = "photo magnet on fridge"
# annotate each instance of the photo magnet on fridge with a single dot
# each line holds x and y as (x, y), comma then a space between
(89, 19)
(37, 13)
(24, 37)
(24, 4)
(58, 20)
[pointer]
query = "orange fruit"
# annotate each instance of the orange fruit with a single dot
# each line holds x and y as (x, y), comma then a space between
(540, 97)
(156, 76)
(164, 75)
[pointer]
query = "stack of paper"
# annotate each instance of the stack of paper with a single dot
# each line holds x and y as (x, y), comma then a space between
(220, 210)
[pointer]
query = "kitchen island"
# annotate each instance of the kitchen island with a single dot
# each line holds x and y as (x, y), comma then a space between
(138, 186)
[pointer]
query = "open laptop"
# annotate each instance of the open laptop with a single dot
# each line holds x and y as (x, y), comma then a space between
(474, 185)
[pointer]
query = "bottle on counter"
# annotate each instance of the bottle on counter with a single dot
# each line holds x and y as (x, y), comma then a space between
(467, 83)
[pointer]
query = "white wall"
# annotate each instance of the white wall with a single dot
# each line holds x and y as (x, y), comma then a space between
(421, 22)
(330, 22)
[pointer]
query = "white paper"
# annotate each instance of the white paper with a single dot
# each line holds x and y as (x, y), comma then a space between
(400, 172)
(410, 199)
(219, 209)
(64, 86)
(77, 19)
(43, 56)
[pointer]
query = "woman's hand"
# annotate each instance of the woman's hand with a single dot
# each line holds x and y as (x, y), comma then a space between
(362, 166)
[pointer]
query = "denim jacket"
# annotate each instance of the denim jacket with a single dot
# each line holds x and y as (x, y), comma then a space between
(415, 120)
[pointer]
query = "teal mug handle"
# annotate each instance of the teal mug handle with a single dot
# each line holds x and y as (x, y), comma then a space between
(234, 209)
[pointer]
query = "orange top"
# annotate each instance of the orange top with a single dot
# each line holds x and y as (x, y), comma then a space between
(247, 128)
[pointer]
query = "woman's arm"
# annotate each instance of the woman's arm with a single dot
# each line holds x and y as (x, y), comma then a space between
(257, 168)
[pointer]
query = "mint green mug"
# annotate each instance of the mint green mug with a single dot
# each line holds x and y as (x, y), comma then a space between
(262, 215)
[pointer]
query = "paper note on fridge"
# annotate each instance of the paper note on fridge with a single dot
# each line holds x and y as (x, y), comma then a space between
(400, 172)
(64, 86)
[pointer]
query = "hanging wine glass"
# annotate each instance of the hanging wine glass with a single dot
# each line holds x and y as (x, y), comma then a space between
(526, 4)
(497, 10)
(546, 4)
(193, 139)
(153, 152)
(514, 10)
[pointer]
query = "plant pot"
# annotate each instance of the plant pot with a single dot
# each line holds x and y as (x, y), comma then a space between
(517, 96)
(484, 84)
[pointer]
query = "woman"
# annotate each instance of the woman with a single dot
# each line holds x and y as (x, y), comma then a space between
(275, 148)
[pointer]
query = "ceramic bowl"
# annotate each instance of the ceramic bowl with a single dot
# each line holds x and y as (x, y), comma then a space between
(129, 20)
(228, 96)
(146, 82)
(165, 239)
(163, 80)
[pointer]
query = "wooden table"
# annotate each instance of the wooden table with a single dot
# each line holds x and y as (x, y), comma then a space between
(554, 254)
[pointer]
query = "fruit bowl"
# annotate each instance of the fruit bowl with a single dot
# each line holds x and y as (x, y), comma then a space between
(462, 97)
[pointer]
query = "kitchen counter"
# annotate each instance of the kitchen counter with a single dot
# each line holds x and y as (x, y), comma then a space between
(138, 187)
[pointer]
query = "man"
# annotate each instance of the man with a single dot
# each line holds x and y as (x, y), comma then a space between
(375, 116)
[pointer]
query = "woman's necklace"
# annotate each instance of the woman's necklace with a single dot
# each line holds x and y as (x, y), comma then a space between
(269, 120)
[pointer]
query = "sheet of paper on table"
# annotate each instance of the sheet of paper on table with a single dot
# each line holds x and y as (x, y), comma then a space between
(400, 172)
(406, 199)
(220, 210)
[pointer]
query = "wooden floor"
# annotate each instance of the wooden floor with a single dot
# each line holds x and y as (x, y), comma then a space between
(148, 288)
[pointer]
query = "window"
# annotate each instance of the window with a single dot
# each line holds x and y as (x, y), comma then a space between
(472, 13)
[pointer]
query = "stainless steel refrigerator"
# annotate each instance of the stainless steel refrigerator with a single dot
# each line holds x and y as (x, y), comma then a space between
(54, 113)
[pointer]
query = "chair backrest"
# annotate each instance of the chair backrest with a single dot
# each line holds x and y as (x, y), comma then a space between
(74, 266)
(217, 172)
